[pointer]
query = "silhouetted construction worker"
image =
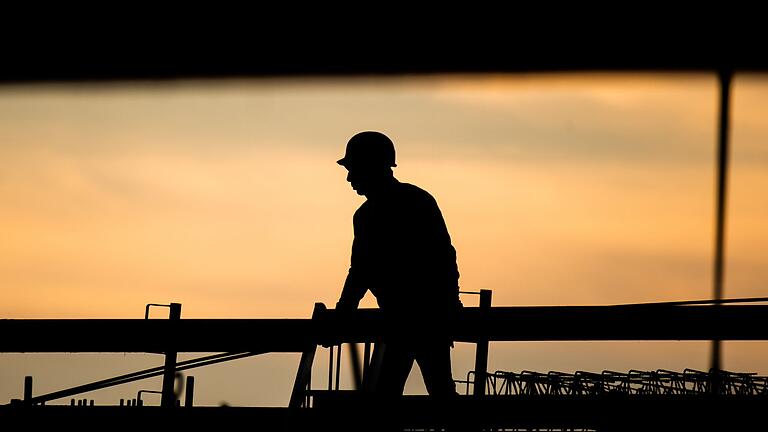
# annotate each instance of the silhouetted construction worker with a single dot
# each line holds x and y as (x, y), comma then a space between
(402, 253)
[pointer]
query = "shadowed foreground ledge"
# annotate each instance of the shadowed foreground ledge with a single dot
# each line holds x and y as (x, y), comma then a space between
(607, 412)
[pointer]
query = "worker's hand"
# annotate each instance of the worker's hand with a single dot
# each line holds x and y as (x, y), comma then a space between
(345, 307)
(341, 308)
(330, 341)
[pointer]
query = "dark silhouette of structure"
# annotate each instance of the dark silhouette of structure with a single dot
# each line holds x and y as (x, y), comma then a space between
(638, 400)
(402, 253)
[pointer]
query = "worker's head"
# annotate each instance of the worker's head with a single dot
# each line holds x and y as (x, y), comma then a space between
(369, 159)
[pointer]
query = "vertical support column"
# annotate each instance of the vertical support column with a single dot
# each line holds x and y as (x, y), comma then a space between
(189, 392)
(366, 359)
(725, 76)
(168, 399)
(330, 367)
(481, 352)
(27, 388)
(338, 366)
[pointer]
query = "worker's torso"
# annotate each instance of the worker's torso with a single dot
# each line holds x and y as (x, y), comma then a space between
(405, 250)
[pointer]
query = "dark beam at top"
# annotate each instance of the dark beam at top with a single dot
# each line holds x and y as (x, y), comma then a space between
(366, 48)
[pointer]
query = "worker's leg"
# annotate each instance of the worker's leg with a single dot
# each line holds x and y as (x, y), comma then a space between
(396, 364)
(434, 359)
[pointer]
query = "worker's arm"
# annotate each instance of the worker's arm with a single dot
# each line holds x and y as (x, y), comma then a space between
(353, 291)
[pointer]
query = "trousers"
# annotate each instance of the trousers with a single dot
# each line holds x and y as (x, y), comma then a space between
(433, 358)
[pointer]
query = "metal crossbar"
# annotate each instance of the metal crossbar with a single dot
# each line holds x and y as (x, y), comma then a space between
(139, 375)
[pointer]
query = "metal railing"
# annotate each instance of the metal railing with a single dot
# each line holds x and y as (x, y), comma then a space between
(239, 338)
(660, 382)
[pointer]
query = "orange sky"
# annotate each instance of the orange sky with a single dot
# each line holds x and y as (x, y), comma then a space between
(225, 196)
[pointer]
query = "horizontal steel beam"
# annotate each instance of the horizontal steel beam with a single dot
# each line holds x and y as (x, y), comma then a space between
(557, 323)
(155, 335)
(507, 49)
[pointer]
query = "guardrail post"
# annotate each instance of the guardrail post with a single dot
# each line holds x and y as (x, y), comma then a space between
(168, 399)
(189, 392)
(481, 352)
(27, 388)
(366, 358)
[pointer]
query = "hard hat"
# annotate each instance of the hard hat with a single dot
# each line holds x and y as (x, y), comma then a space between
(367, 149)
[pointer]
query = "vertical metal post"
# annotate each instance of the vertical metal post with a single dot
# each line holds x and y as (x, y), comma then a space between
(189, 392)
(308, 397)
(366, 359)
(338, 366)
(27, 388)
(481, 352)
(330, 368)
(725, 76)
(168, 399)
